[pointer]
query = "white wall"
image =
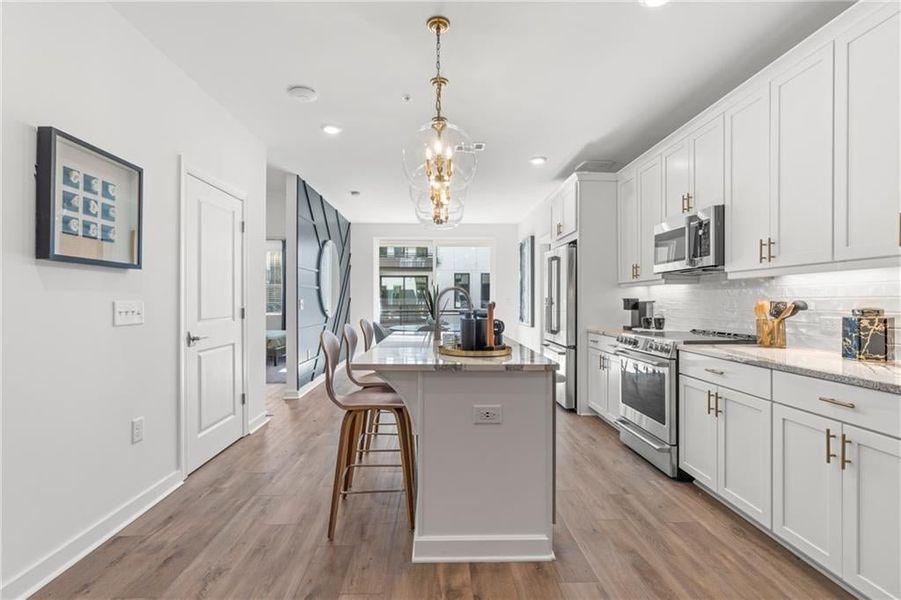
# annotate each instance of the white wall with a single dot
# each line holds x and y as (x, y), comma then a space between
(276, 188)
(364, 270)
(71, 382)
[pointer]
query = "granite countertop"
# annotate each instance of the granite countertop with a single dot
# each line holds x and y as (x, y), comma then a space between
(417, 352)
(884, 377)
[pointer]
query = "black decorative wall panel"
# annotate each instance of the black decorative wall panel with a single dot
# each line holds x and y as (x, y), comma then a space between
(318, 221)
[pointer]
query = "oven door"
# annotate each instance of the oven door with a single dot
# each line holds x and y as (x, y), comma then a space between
(648, 393)
(671, 246)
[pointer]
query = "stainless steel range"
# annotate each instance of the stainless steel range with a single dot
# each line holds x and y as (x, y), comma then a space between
(649, 397)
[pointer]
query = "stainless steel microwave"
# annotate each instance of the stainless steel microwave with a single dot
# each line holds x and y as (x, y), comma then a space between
(691, 242)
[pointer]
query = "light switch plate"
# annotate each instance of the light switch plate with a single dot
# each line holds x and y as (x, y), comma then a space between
(128, 312)
(137, 430)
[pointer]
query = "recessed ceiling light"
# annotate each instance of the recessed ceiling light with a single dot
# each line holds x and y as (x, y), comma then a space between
(405, 97)
(538, 160)
(331, 129)
(303, 93)
(653, 3)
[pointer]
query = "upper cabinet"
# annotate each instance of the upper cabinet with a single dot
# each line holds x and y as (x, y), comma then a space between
(867, 217)
(650, 213)
(565, 211)
(627, 226)
(805, 155)
(801, 162)
(693, 169)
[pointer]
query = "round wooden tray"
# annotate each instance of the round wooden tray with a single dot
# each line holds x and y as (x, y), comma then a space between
(499, 351)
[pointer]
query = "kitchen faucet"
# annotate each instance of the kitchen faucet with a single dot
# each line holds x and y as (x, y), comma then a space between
(437, 336)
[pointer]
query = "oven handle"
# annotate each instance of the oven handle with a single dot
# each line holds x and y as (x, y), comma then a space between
(627, 425)
(643, 361)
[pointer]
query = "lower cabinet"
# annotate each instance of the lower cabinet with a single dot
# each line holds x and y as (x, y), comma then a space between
(725, 443)
(603, 383)
(837, 496)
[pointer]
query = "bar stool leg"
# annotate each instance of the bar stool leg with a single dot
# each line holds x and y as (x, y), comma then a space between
(341, 464)
(352, 449)
(403, 438)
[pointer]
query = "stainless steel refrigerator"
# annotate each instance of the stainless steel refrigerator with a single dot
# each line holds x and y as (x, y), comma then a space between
(560, 330)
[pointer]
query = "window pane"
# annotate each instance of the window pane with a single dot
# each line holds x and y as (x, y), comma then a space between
(274, 281)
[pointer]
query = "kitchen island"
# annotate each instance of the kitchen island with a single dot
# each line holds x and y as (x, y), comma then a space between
(485, 448)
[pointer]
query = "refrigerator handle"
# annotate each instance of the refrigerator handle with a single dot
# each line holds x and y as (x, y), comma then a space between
(554, 299)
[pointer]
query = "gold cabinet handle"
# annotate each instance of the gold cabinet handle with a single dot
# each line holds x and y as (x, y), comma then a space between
(715, 371)
(760, 250)
(837, 402)
(769, 249)
(683, 204)
(716, 401)
(845, 460)
(637, 271)
(709, 407)
(688, 202)
(829, 454)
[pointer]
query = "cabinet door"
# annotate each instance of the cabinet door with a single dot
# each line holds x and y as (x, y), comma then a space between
(867, 217)
(747, 181)
(627, 226)
(744, 453)
(556, 216)
(614, 379)
(597, 381)
(697, 430)
(650, 204)
(807, 485)
(871, 515)
(707, 164)
(569, 207)
(801, 162)
(676, 180)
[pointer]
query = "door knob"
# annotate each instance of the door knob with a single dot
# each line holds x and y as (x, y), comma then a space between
(192, 339)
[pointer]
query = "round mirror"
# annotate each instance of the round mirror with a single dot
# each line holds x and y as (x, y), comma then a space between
(329, 277)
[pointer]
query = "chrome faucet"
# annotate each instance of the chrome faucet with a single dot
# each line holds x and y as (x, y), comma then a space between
(437, 336)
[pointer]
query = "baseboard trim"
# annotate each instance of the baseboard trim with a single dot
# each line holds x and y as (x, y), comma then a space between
(257, 422)
(482, 548)
(46, 569)
(309, 387)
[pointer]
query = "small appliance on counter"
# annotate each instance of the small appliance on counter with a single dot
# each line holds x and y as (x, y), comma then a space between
(867, 335)
(771, 316)
(481, 335)
(641, 313)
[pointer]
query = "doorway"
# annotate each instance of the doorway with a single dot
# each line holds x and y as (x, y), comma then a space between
(213, 319)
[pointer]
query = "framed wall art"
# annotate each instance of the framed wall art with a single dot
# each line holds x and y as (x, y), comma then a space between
(89, 203)
(527, 281)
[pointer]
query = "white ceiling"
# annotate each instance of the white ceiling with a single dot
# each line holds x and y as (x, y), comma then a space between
(571, 81)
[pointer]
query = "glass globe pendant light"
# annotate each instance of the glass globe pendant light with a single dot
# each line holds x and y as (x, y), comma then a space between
(439, 161)
(439, 216)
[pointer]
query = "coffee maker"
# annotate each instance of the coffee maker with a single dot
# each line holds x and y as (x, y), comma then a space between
(638, 309)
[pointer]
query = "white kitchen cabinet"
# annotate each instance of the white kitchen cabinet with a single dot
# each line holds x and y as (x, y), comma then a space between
(871, 512)
(597, 381)
(627, 227)
(697, 430)
(801, 202)
(693, 169)
(650, 206)
(707, 164)
(676, 177)
(604, 383)
(565, 210)
(867, 217)
(807, 484)
(724, 442)
(748, 181)
(744, 453)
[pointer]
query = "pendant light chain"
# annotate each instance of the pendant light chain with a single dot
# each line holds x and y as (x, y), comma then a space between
(438, 81)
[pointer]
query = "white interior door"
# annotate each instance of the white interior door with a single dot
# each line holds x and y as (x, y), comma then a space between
(214, 353)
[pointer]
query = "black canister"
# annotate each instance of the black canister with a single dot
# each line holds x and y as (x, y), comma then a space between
(468, 331)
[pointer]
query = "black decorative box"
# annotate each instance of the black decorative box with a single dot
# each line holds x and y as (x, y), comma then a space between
(868, 335)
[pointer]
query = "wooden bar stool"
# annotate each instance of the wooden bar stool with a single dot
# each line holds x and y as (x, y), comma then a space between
(373, 420)
(355, 406)
(368, 333)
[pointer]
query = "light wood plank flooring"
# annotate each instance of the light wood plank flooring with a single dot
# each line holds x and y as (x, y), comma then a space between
(252, 522)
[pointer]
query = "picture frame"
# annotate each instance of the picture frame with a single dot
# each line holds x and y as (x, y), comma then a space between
(89, 203)
(527, 281)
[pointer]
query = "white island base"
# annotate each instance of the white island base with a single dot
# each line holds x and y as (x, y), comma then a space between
(485, 492)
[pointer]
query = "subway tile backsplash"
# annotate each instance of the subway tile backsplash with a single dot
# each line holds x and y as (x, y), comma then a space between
(729, 304)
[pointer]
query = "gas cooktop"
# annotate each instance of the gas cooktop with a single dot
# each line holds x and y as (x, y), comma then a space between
(664, 343)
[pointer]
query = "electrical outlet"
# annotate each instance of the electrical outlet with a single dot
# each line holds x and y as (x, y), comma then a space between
(137, 430)
(491, 414)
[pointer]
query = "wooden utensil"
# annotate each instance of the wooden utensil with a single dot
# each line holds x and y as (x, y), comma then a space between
(799, 306)
(786, 312)
(761, 309)
(489, 335)
(776, 308)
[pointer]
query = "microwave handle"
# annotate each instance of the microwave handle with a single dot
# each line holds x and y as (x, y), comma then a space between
(691, 242)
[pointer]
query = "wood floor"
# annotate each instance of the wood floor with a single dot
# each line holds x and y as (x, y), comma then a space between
(252, 524)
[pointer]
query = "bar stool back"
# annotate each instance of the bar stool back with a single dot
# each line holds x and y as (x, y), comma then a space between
(368, 333)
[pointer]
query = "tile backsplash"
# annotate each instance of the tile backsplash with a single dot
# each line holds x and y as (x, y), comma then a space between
(729, 304)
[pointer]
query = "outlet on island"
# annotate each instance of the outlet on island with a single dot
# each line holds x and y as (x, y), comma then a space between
(491, 414)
